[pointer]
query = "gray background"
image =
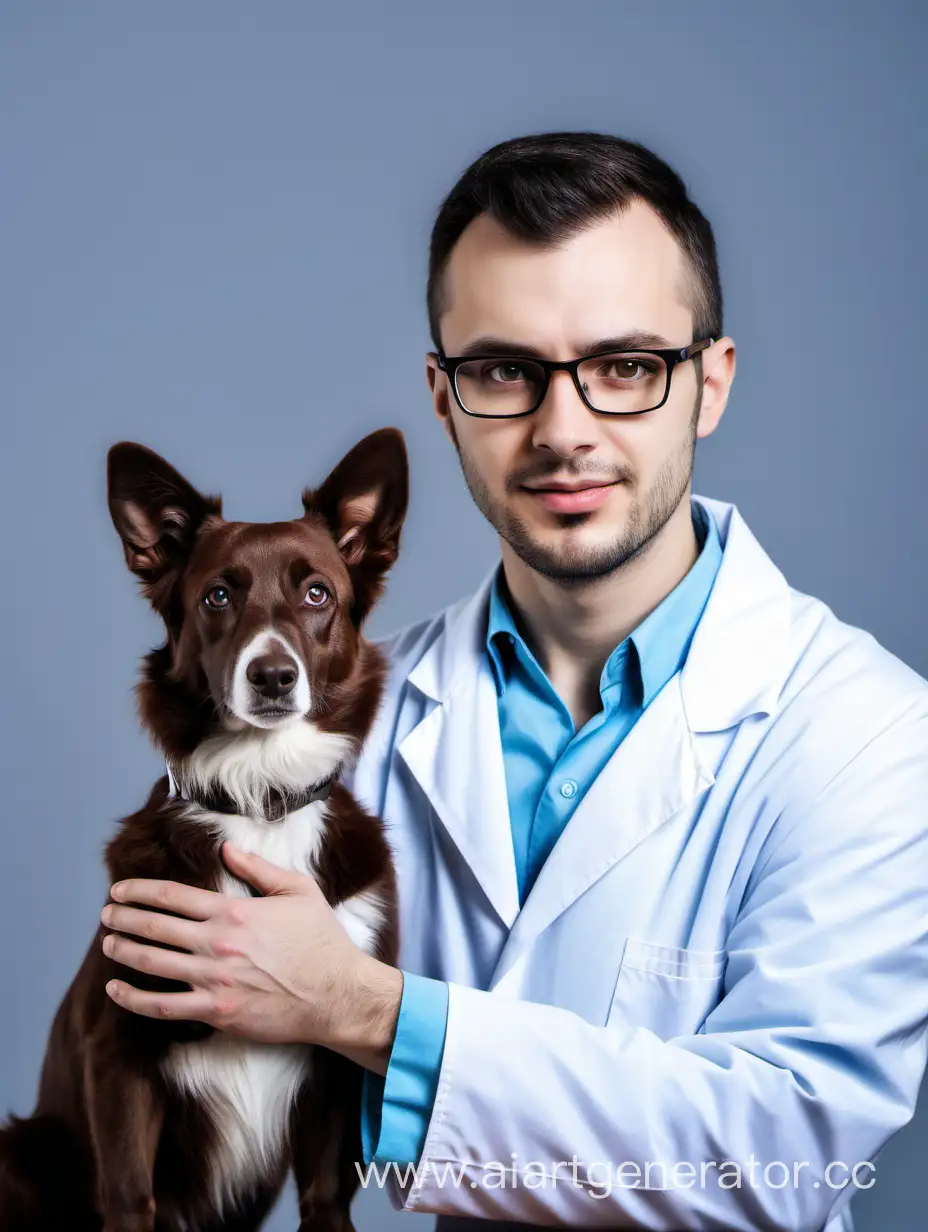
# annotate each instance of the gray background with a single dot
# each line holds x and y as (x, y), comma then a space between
(214, 221)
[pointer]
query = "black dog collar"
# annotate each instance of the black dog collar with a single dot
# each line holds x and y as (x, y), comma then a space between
(277, 803)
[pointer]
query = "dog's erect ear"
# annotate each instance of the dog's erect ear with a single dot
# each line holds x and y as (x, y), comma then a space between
(364, 503)
(156, 512)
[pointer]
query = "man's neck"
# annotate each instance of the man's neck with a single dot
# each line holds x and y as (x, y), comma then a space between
(573, 629)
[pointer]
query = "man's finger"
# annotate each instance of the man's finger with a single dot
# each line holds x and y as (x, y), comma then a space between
(153, 926)
(176, 1006)
(169, 896)
(153, 960)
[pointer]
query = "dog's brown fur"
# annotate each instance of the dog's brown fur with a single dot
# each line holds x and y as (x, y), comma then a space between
(112, 1146)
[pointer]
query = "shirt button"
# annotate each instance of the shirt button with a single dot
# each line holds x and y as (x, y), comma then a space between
(569, 788)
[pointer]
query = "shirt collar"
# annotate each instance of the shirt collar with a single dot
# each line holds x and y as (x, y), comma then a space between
(662, 640)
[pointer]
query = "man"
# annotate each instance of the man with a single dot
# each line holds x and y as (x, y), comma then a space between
(659, 819)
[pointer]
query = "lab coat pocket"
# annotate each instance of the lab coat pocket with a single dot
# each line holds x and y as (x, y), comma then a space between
(669, 990)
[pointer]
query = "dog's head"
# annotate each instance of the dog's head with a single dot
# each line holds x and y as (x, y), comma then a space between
(263, 620)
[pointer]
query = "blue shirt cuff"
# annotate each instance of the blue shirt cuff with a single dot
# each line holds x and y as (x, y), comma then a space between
(396, 1109)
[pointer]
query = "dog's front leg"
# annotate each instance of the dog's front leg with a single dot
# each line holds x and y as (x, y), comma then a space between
(326, 1143)
(125, 1114)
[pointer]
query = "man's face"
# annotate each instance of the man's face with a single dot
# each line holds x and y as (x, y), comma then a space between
(626, 475)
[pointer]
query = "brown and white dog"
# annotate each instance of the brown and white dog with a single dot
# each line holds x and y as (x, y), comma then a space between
(261, 695)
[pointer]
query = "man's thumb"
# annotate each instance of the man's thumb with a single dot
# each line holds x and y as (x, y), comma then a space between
(262, 874)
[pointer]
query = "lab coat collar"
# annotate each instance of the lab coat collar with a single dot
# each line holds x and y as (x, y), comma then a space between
(460, 641)
(739, 657)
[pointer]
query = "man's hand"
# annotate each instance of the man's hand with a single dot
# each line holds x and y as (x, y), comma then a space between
(279, 968)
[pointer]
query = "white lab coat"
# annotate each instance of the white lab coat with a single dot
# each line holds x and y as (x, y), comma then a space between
(725, 953)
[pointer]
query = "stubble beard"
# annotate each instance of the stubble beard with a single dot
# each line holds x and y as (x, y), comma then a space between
(574, 565)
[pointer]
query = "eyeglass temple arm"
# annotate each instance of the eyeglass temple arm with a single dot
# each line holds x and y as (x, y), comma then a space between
(696, 347)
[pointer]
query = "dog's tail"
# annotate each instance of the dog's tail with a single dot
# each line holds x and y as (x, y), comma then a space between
(44, 1177)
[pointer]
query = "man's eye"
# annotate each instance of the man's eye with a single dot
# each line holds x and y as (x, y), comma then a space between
(217, 598)
(506, 374)
(316, 596)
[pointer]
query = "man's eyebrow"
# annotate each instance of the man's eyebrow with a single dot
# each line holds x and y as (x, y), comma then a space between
(634, 340)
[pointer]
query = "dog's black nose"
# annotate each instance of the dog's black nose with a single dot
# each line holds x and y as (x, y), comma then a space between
(272, 675)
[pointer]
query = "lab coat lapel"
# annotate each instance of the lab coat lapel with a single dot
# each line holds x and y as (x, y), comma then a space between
(455, 753)
(653, 774)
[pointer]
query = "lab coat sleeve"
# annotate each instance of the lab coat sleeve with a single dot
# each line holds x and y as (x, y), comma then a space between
(395, 1109)
(813, 1056)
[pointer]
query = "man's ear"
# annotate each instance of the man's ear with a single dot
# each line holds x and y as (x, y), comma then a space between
(157, 515)
(364, 502)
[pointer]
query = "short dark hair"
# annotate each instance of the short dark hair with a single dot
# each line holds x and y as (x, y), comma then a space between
(545, 188)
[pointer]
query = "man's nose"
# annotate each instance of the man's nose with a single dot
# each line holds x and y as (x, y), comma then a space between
(563, 423)
(273, 674)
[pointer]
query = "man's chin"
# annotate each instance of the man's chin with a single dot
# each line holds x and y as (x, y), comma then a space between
(571, 564)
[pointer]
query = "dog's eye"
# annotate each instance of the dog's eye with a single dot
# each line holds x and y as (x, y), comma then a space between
(218, 597)
(316, 596)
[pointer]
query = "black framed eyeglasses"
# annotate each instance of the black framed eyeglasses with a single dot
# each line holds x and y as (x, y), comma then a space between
(610, 383)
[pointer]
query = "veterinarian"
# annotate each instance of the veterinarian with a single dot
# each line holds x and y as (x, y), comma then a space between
(660, 820)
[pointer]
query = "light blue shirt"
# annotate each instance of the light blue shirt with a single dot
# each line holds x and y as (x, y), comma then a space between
(549, 768)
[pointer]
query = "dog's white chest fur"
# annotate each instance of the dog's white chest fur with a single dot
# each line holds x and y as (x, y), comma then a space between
(250, 1087)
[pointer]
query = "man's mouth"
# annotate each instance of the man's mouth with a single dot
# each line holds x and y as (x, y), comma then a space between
(571, 496)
